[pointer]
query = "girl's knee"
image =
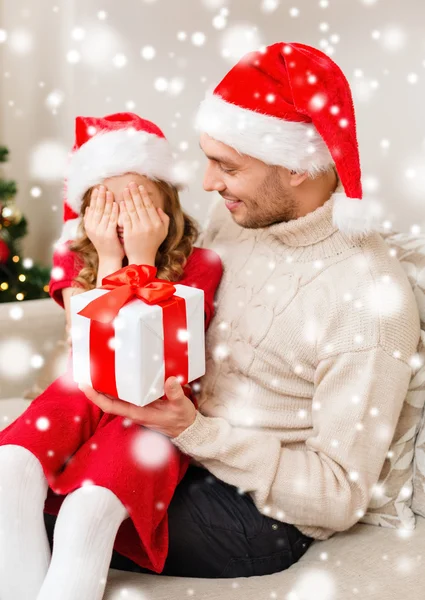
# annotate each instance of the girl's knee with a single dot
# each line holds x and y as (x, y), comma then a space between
(14, 458)
(92, 503)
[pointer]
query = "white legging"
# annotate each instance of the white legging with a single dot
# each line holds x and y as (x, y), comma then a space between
(84, 535)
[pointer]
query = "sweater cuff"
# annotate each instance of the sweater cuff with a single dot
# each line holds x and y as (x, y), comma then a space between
(194, 435)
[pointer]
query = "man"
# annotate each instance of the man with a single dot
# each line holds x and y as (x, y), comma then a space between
(307, 368)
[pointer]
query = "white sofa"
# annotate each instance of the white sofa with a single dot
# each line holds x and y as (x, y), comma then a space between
(367, 562)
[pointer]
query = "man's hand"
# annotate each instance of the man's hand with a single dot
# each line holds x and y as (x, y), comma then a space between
(170, 415)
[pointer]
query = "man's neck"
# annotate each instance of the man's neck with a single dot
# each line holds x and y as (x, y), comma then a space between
(315, 192)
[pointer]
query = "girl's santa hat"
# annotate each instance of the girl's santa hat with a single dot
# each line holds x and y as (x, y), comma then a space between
(110, 146)
(290, 105)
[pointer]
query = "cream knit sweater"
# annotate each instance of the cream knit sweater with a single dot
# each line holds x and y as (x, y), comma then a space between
(307, 368)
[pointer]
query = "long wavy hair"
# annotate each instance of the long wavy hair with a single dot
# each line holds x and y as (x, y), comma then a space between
(172, 254)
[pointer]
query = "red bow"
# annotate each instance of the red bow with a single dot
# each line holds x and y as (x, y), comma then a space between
(133, 281)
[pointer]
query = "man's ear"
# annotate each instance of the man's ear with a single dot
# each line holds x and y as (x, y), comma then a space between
(296, 179)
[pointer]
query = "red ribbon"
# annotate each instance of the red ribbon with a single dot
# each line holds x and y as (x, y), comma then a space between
(134, 281)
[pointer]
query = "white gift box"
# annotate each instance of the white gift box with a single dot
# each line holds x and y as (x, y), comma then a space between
(139, 344)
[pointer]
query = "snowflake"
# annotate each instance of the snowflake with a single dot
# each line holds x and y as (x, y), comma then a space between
(100, 46)
(269, 6)
(48, 161)
(15, 358)
(78, 34)
(37, 361)
(35, 192)
(370, 184)
(198, 38)
(404, 565)
(119, 60)
(114, 343)
(318, 101)
(16, 313)
(42, 424)
(393, 39)
(21, 41)
(161, 84)
(314, 583)
(151, 449)
(219, 22)
(176, 86)
(238, 41)
(412, 78)
(384, 297)
(363, 89)
(213, 4)
(148, 52)
(55, 99)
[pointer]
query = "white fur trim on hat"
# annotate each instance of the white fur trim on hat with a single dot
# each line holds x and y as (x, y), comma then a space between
(114, 153)
(353, 216)
(296, 146)
(69, 231)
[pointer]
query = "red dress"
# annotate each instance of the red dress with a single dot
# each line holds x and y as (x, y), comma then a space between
(77, 444)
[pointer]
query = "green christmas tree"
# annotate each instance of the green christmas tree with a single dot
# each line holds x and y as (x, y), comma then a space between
(20, 278)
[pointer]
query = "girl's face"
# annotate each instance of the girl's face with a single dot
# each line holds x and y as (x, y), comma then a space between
(117, 184)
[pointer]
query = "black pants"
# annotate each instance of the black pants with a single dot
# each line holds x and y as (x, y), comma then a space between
(214, 531)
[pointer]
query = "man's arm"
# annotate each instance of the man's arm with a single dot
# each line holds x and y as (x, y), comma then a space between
(357, 401)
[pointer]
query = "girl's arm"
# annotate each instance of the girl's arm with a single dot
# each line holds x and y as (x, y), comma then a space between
(107, 266)
(66, 295)
(204, 271)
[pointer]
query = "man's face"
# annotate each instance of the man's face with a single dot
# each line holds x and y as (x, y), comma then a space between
(256, 194)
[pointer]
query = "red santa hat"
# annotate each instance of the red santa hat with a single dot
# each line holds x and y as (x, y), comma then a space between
(110, 146)
(291, 105)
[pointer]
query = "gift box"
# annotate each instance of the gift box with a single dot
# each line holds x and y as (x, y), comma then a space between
(134, 332)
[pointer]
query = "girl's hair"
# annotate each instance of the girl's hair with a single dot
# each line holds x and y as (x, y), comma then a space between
(172, 254)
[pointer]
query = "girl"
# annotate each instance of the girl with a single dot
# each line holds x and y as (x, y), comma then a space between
(64, 455)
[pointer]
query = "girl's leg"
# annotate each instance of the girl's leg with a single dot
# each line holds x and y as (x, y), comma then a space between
(24, 547)
(84, 536)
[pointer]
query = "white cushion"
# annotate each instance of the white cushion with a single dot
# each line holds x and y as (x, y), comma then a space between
(367, 562)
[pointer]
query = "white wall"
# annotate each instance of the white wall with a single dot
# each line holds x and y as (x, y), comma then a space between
(33, 63)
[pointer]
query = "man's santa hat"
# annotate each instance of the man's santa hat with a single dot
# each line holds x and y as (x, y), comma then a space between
(290, 105)
(110, 146)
